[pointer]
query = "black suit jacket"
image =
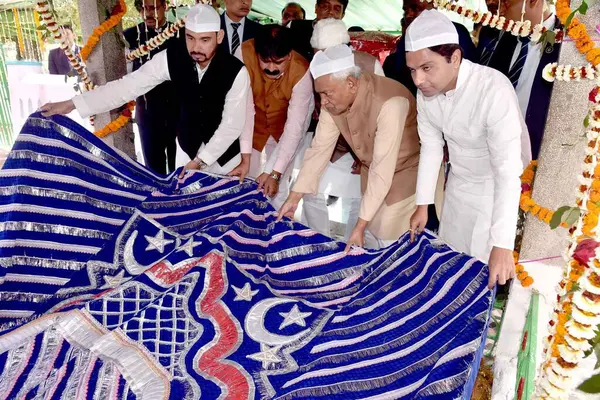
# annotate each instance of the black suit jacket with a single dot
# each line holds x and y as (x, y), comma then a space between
(395, 64)
(250, 30)
(58, 63)
(302, 31)
(541, 91)
(157, 111)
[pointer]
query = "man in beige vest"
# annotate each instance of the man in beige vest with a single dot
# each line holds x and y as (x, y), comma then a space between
(378, 119)
(279, 110)
(341, 179)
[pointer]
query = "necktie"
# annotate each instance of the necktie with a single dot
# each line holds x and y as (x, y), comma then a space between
(515, 71)
(235, 38)
(486, 54)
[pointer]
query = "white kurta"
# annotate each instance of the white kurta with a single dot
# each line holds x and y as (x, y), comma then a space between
(488, 144)
(155, 72)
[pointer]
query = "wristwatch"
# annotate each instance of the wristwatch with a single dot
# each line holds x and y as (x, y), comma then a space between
(201, 164)
(275, 176)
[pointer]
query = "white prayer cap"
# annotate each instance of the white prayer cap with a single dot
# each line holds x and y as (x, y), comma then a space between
(329, 32)
(431, 28)
(334, 59)
(203, 18)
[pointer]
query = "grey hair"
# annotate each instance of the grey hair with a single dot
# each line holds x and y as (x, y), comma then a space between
(354, 72)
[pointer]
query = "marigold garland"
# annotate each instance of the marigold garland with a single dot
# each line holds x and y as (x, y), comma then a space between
(117, 14)
(578, 32)
(118, 123)
(578, 299)
(522, 275)
(486, 18)
(529, 205)
(156, 41)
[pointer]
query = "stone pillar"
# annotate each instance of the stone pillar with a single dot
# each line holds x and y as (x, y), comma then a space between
(560, 164)
(105, 64)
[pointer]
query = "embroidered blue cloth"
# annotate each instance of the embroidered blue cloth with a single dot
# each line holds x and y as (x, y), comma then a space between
(117, 283)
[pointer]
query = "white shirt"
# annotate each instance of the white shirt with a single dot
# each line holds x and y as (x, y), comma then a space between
(240, 29)
(156, 71)
(532, 62)
(299, 113)
(488, 143)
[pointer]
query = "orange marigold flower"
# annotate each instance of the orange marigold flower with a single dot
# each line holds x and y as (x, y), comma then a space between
(519, 268)
(522, 275)
(527, 281)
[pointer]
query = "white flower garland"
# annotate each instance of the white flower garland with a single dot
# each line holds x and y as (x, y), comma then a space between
(156, 41)
(567, 73)
(555, 380)
(43, 8)
(516, 28)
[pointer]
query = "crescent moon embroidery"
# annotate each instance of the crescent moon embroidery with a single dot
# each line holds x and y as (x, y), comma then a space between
(129, 261)
(255, 327)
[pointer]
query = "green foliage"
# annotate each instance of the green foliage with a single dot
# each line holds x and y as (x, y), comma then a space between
(582, 9)
(566, 214)
(592, 385)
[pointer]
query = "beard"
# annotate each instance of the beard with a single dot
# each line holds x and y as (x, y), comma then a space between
(200, 57)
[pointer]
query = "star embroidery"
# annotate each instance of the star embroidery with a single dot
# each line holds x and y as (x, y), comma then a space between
(294, 317)
(157, 242)
(267, 355)
(113, 281)
(244, 294)
(188, 247)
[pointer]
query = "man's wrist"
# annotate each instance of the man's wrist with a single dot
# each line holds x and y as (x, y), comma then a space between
(295, 197)
(246, 157)
(361, 225)
(275, 175)
(422, 207)
(201, 164)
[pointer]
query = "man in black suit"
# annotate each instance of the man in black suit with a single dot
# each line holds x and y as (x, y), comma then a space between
(395, 64)
(303, 29)
(292, 12)
(156, 113)
(522, 62)
(58, 63)
(236, 25)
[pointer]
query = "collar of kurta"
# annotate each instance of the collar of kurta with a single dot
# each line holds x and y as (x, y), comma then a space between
(463, 73)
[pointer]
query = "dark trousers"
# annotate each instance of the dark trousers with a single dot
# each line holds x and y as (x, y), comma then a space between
(157, 126)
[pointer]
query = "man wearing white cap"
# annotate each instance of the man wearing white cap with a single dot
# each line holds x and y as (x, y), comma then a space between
(377, 117)
(212, 86)
(475, 109)
(340, 179)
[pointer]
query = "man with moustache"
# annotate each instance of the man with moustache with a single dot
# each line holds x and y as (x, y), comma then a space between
(292, 12)
(156, 112)
(283, 102)
(212, 87)
(236, 25)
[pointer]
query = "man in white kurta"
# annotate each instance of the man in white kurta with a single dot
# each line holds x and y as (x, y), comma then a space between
(218, 152)
(476, 111)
